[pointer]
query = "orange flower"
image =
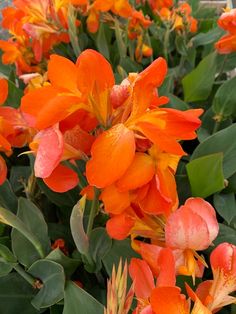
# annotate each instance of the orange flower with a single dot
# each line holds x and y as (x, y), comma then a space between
(216, 293)
(227, 43)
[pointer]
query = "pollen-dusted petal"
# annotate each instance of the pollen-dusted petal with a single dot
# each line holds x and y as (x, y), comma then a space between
(94, 71)
(186, 229)
(62, 179)
(49, 153)
(224, 257)
(169, 300)
(3, 90)
(115, 202)
(119, 226)
(142, 277)
(62, 73)
(207, 212)
(112, 153)
(139, 173)
(3, 170)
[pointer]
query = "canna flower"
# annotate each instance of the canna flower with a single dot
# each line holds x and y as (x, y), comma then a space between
(183, 19)
(190, 228)
(216, 293)
(118, 300)
(227, 43)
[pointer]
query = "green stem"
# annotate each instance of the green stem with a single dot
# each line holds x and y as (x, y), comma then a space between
(93, 211)
(166, 43)
(31, 280)
(216, 127)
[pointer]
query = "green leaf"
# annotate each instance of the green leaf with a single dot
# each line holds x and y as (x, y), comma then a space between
(77, 228)
(206, 175)
(226, 206)
(15, 295)
(99, 244)
(226, 234)
(35, 223)
(120, 249)
(181, 45)
(18, 175)
(61, 199)
(78, 301)
(14, 95)
(52, 276)
(176, 103)
(225, 99)
(101, 42)
(12, 220)
(220, 142)
(207, 38)
(7, 260)
(7, 197)
(198, 83)
(69, 264)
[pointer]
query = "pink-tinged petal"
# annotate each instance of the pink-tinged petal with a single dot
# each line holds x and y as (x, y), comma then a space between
(3, 170)
(119, 226)
(62, 179)
(62, 73)
(186, 229)
(138, 174)
(166, 263)
(142, 277)
(169, 300)
(223, 257)
(94, 71)
(49, 153)
(112, 154)
(207, 212)
(115, 202)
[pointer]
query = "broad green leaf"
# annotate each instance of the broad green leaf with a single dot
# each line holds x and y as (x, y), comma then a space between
(220, 142)
(99, 244)
(16, 295)
(7, 260)
(7, 197)
(78, 301)
(120, 249)
(12, 220)
(69, 264)
(206, 175)
(181, 45)
(197, 84)
(101, 41)
(77, 227)
(225, 99)
(207, 38)
(18, 175)
(176, 103)
(226, 206)
(35, 223)
(52, 277)
(226, 234)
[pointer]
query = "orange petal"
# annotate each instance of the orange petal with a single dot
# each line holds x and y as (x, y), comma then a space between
(3, 170)
(169, 300)
(198, 308)
(3, 90)
(112, 153)
(94, 71)
(62, 73)
(166, 263)
(62, 179)
(139, 173)
(50, 151)
(119, 226)
(142, 277)
(115, 202)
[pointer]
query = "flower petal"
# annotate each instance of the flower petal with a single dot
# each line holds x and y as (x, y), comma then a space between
(3, 90)
(3, 170)
(112, 153)
(62, 179)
